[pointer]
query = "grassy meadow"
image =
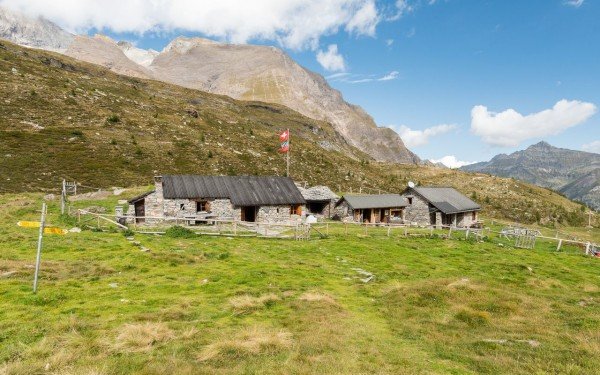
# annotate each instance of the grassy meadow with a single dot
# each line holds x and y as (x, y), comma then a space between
(350, 304)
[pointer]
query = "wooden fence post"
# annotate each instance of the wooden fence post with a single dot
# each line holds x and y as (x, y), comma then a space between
(559, 245)
(388, 231)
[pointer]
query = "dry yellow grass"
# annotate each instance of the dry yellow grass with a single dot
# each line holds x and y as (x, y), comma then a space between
(255, 340)
(141, 337)
(317, 297)
(246, 303)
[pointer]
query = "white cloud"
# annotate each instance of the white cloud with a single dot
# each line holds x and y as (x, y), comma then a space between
(402, 7)
(390, 76)
(362, 78)
(509, 128)
(331, 59)
(451, 161)
(593, 146)
(337, 76)
(389, 42)
(574, 3)
(295, 24)
(415, 138)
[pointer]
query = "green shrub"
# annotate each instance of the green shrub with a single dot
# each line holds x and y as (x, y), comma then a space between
(178, 231)
(128, 233)
(113, 119)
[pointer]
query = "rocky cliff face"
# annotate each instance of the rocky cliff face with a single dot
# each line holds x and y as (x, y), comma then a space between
(268, 74)
(573, 173)
(36, 33)
(244, 72)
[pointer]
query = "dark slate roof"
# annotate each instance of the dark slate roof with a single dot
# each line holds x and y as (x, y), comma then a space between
(241, 190)
(446, 199)
(141, 196)
(359, 202)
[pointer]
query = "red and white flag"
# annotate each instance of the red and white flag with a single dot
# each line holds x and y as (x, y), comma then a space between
(284, 136)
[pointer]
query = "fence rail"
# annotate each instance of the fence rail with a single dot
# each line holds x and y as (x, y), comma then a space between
(304, 231)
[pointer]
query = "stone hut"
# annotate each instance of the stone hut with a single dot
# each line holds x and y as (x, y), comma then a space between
(381, 208)
(320, 200)
(432, 205)
(201, 198)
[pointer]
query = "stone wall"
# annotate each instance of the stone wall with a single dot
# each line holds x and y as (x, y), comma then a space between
(418, 211)
(343, 212)
(278, 214)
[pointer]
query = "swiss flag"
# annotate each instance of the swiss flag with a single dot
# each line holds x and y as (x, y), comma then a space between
(284, 136)
(285, 147)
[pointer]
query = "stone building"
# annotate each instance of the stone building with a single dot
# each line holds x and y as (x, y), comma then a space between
(431, 205)
(201, 198)
(320, 200)
(381, 208)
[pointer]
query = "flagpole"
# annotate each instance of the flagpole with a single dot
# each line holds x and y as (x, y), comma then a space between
(288, 154)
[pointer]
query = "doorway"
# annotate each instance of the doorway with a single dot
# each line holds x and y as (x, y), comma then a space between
(140, 211)
(367, 215)
(249, 213)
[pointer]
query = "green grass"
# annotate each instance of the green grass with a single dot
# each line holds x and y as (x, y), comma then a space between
(281, 306)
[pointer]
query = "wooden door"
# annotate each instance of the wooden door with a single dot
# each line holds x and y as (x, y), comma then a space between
(140, 211)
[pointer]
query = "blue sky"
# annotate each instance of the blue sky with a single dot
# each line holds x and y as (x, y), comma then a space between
(456, 78)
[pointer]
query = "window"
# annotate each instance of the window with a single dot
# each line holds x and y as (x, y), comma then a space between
(202, 206)
(474, 216)
(181, 207)
(296, 210)
(409, 200)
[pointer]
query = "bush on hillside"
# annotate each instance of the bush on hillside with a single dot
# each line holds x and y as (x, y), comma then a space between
(178, 231)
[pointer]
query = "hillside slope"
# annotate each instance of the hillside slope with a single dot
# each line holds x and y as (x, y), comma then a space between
(61, 118)
(574, 173)
(241, 71)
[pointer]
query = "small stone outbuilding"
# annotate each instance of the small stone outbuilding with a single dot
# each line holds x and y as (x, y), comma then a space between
(201, 198)
(433, 205)
(381, 208)
(320, 200)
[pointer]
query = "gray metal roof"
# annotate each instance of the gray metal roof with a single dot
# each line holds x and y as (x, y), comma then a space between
(241, 190)
(359, 202)
(446, 199)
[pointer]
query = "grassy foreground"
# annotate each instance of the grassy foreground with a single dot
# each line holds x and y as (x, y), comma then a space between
(248, 305)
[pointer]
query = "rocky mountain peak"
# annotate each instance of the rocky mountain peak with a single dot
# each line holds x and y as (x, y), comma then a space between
(541, 145)
(33, 32)
(245, 72)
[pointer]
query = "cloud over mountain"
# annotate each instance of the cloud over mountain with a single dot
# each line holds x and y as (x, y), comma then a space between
(509, 128)
(295, 24)
(415, 138)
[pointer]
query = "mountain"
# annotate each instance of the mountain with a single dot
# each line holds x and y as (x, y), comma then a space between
(573, 173)
(247, 72)
(63, 118)
(36, 33)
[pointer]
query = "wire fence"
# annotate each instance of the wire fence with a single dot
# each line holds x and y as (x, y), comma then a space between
(297, 230)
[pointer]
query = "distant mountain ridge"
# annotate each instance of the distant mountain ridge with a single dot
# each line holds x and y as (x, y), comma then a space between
(245, 72)
(576, 174)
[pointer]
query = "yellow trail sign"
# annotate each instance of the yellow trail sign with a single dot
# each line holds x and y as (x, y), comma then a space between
(54, 230)
(29, 224)
(47, 230)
